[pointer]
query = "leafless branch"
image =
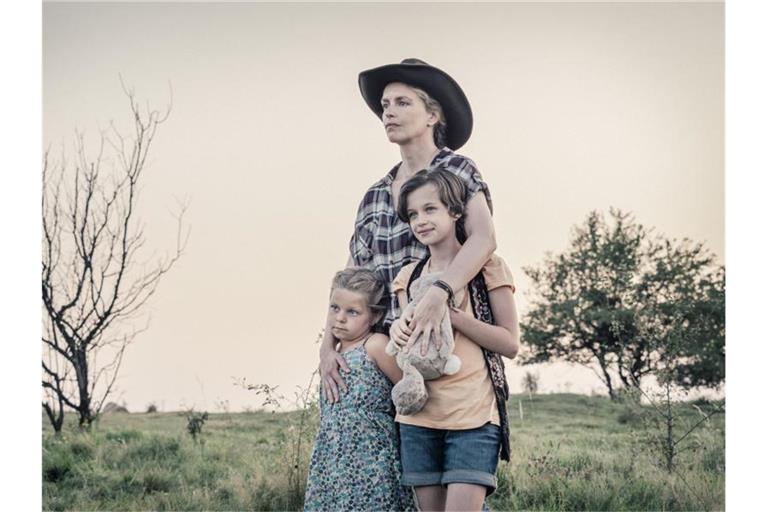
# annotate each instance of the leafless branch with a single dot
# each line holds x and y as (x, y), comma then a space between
(93, 283)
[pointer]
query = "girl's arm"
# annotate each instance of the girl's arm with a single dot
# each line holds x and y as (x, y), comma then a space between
(480, 244)
(504, 337)
(399, 330)
(387, 364)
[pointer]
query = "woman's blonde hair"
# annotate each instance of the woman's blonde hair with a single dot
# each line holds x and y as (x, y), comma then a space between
(434, 107)
(366, 282)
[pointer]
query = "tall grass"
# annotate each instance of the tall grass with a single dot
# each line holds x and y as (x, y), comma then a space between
(569, 453)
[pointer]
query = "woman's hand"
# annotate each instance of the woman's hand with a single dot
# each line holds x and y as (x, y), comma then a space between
(427, 317)
(332, 382)
(399, 332)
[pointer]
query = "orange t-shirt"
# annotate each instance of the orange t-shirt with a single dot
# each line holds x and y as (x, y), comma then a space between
(465, 399)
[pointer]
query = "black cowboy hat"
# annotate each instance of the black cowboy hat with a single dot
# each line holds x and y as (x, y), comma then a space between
(437, 83)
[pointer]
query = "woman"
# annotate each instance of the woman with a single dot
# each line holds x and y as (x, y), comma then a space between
(425, 112)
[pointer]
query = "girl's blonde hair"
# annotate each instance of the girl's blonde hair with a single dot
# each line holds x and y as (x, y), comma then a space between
(366, 282)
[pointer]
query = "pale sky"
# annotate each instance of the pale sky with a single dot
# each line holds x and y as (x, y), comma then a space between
(577, 107)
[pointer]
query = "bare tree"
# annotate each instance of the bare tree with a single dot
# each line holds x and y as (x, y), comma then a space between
(93, 283)
(530, 384)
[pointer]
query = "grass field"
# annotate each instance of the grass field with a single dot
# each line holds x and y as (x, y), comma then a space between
(569, 452)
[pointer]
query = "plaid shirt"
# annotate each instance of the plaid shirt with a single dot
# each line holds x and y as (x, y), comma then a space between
(384, 243)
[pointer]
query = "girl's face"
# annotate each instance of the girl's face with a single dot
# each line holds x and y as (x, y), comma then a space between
(405, 116)
(428, 216)
(349, 316)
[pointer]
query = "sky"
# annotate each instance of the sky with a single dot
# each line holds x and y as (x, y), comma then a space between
(577, 107)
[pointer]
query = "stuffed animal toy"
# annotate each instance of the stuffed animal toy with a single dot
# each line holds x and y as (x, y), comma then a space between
(410, 394)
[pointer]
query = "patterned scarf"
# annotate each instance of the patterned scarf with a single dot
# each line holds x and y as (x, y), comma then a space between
(481, 307)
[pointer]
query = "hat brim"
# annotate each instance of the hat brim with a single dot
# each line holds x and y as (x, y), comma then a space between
(435, 82)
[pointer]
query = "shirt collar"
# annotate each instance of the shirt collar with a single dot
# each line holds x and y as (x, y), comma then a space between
(444, 152)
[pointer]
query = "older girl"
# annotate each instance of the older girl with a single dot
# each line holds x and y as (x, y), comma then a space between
(450, 448)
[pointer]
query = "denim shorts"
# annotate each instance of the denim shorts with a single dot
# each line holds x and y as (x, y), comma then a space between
(441, 457)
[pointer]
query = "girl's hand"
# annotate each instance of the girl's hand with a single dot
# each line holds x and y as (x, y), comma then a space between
(399, 331)
(332, 383)
(458, 317)
(427, 316)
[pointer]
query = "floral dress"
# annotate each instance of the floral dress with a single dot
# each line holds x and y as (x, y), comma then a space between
(355, 463)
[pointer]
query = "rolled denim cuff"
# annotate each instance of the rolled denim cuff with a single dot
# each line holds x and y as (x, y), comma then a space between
(469, 476)
(421, 479)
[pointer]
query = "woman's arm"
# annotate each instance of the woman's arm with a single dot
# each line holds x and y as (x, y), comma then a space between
(504, 337)
(375, 347)
(480, 244)
(331, 362)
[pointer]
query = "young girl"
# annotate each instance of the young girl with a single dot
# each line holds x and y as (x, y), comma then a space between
(355, 463)
(450, 449)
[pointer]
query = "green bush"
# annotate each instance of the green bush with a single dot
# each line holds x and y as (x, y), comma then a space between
(195, 422)
(57, 462)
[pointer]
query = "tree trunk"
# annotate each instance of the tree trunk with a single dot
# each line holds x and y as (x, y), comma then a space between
(670, 440)
(56, 418)
(84, 409)
(607, 376)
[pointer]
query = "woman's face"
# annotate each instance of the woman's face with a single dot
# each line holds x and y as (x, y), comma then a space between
(405, 116)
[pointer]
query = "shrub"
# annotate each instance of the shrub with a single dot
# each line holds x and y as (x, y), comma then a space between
(530, 383)
(57, 462)
(151, 408)
(195, 422)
